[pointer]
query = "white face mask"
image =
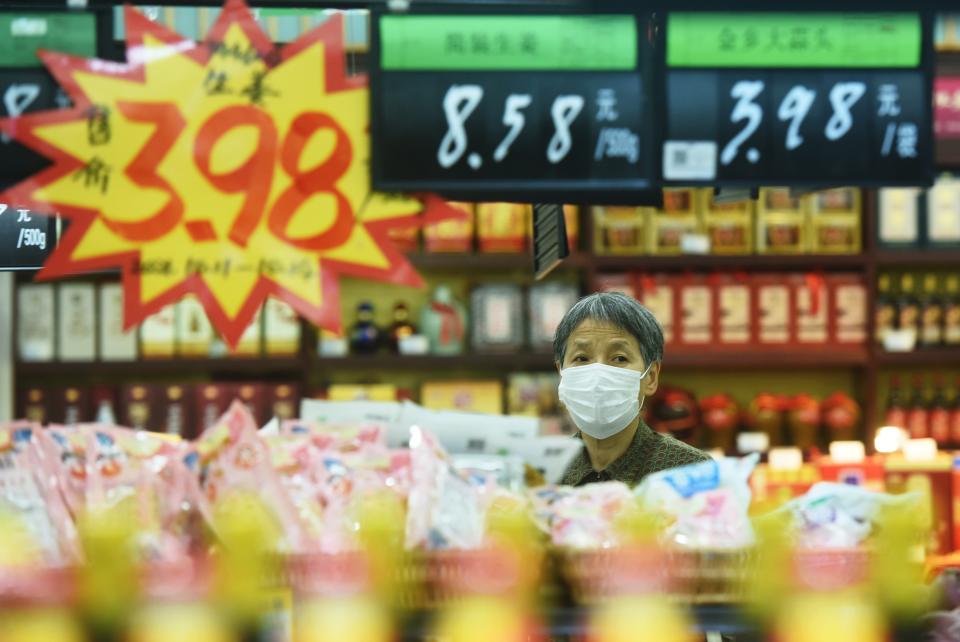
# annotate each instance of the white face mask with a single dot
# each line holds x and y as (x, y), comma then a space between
(601, 399)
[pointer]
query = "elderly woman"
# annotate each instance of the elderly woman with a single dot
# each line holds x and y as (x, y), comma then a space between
(608, 349)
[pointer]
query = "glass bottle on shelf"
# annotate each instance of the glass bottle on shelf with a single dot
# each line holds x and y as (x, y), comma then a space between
(955, 414)
(401, 326)
(896, 414)
(931, 314)
(365, 335)
(917, 413)
(939, 414)
(951, 310)
(908, 307)
(886, 311)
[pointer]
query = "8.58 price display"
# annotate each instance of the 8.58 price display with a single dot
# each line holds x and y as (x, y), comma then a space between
(512, 106)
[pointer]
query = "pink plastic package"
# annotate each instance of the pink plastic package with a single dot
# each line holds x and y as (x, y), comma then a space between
(339, 438)
(443, 510)
(69, 450)
(327, 476)
(149, 469)
(30, 490)
(233, 457)
(583, 517)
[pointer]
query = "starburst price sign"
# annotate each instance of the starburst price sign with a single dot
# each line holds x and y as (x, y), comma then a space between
(228, 169)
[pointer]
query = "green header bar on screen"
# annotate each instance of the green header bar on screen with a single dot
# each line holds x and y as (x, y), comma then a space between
(508, 43)
(21, 34)
(793, 40)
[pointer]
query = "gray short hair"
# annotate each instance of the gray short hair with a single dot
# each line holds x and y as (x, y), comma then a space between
(619, 311)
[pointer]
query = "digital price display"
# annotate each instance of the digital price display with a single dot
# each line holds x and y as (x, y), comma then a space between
(529, 107)
(797, 98)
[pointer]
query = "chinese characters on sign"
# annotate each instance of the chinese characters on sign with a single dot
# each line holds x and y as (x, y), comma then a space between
(193, 168)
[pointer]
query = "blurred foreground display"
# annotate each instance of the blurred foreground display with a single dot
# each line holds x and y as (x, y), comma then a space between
(306, 530)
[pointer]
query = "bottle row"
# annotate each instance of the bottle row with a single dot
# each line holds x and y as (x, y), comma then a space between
(173, 409)
(918, 310)
(736, 310)
(702, 221)
(189, 409)
(501, 317)
(925, 412)
(83, 322)
(912, 218)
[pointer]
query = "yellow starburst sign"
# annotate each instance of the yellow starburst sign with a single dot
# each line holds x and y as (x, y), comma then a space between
(228, 169)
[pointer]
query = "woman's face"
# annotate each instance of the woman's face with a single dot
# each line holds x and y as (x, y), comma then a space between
(598, 342)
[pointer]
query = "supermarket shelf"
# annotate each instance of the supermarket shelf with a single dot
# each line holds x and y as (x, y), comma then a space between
(271, 366)
(508, 361)
(479, 261)
(919, 257)
(768, 359)
(752, 261)
(933, 357)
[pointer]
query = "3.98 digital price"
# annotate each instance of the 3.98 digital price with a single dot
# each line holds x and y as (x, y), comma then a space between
(793, 109)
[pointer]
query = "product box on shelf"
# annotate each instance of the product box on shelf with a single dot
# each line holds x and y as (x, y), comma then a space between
(76, 322)
(773, 487)
(658, 293)
(729, 226)
(868, 472)
(283, 401)
(943, 213)
(250, 343)
(955, 487)
(406, 238)
(362, 392)
(848, 302)
(254, 396)
(934, 480)
(496, 313)
(899, 223)
(158, 334)
(451, 235)
(571, 218)
(624, 283)
(116, 344)
(673, 226)
(733, 312)
(620, 230)
(281, 328)
(533, 394)
(781, 222)
(141, 406)
(34, 403)
(75, 406)
(469, 396)
(176, 411)
(773, 310)
(812, 306)
(696, 323)
(547, 303)
(36, 334)
(835, 216)
(194, 331)
(502, 227)
(212, 400)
